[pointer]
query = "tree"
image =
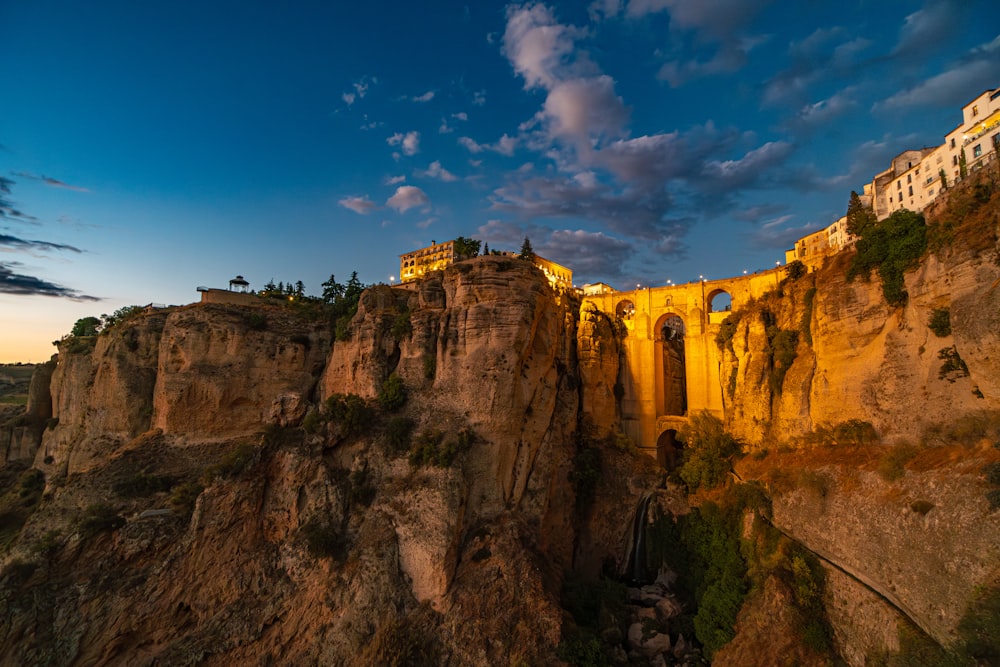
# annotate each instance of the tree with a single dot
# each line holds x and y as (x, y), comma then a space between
(944, 180)
(270, 286)
(527, 252)
(300, 289)
(354, 288)
(795, 270)
(486, 248)
(859, 216)
(122, 314)
(86, 326)
(466, 248)
(963, 164)
(332, 290)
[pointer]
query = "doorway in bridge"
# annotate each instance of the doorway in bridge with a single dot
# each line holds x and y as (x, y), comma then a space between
(673, 376)
(668, 450)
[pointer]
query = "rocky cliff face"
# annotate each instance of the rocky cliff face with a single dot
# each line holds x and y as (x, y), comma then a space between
(199, 522)
(859, 358)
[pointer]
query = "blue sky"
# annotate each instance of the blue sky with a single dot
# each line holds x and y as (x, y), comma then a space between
(153, 147)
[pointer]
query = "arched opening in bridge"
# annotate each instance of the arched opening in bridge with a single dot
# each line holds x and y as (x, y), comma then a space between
(671, 390)
(625, 310)
(719, 301)
(668, 450)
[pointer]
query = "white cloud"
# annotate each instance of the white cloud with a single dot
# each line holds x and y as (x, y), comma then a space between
(585, 110)
(537, 46)
(435, 170)
(393, 180)
(348, 98)
(471, 145)
(360, 205)
(409, 142)
(426, 97)
(407, 197)
(479, 98)
(427, 222)
(951, 88)
(461, 115)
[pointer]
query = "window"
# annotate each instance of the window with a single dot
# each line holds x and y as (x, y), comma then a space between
(977, 150)
(900, 196)
(911, 190)
(954, 160)
(975, 110)
(953, 143)
(909, 178)
(930, 193)
(899, 185)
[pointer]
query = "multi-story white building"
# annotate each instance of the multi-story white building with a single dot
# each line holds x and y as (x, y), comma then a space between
(917, 177)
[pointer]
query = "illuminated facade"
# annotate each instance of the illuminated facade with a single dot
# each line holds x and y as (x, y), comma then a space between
(437, 256)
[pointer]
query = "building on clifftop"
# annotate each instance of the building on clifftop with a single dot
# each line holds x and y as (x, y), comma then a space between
(435, 257)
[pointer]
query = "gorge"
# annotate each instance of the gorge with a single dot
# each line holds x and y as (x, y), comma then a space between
(455, 480)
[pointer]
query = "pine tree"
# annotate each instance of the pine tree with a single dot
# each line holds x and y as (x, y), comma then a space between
(527, 252)
(486, 248)
(332, 290)
(944, 180)
(859, 216)
(300, 289)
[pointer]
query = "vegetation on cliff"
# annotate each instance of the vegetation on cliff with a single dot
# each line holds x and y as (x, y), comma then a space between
(891, 247)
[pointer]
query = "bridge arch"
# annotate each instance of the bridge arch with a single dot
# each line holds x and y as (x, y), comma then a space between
(719, 300)
(671, 365)
(625, 309)
(668, 449)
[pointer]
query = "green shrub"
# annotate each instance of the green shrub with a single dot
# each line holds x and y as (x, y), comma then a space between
(707, 451)
(184, 496)
(727, 330)
(855, 432)
(398, 434)
(795, 270)
(142, 485)
(392, 395)
(432, 448)
(234, 462)
(325, 540)
(361, 491)
(255, 321)
(312, 422)
(351, 412)
(98, 518)
(401, 328)
(30, 485)
(953, 363)
(782, 344)
(893, 246)
(940, 322)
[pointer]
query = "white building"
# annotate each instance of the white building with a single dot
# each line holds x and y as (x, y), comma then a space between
(915, 177)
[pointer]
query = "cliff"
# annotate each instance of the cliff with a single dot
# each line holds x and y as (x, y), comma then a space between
(206, 440)
(446, 481)
(856, 357)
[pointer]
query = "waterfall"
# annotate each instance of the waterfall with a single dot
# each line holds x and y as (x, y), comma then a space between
(636, 566)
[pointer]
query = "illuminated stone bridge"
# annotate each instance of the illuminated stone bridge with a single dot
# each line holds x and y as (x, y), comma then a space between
(671, 361)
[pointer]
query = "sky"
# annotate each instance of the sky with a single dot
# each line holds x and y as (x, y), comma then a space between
(148, 148)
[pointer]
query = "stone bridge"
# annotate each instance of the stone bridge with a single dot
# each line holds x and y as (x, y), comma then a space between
(670, 367)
